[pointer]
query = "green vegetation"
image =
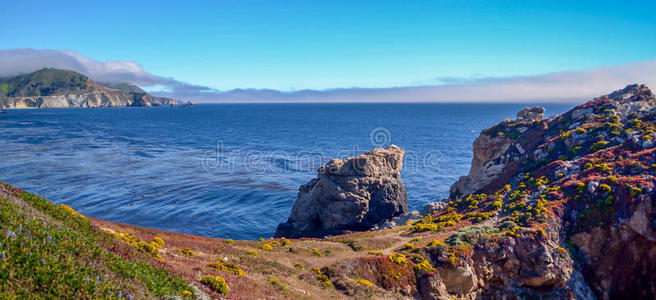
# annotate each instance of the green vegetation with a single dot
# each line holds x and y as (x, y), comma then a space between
(365, 282)
(276, 283)
(48, 251)
(216, 283)
(227, 266)
(398, 259)
(44, 82)
(185, 251)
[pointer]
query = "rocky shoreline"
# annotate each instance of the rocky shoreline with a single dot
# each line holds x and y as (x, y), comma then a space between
(54, 88)
(557, 208)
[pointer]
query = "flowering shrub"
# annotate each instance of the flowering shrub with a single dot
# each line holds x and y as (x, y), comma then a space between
(71, 211)
(157, 242)
(275, 282)
(365, 282)
(266, 247)
(216, 283)
(227, 266)
(399, 259)
(185, 251)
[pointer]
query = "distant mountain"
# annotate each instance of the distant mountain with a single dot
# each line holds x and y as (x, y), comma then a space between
(55, 88)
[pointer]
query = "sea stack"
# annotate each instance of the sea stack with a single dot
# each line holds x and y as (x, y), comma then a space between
(353, 194)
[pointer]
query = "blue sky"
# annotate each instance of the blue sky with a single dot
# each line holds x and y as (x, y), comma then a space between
(292, 45)
(313, 44)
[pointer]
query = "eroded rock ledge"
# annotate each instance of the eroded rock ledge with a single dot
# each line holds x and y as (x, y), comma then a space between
(353, 194)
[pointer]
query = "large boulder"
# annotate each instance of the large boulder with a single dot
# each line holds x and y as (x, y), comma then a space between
(353, 194)
(531, 114)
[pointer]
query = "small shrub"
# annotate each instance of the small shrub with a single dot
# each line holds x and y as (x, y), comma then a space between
(398, 259)
(424, 266)
(415, 240)
(158, 242)
(229, 241)
(437, 243)
(275, 282)
(185, 251)
(285, 242)
(598, 145)
(275, 243)
(365, 282)
(252, 252)
(325, 281)
(227, 266)
(604, 188)
(497, 204)
(299, 266)
(216, 283)
(377, 253)
(266, 247)
(316, 252)
(635, 191)
(408, 246)
(581, 130)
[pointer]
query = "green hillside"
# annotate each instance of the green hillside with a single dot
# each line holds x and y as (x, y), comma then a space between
(50, 251)
(45, 82)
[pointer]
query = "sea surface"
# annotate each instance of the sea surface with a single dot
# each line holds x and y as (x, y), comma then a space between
(228, 170)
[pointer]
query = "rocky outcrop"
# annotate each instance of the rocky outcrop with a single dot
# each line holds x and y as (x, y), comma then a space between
(598, 188)
(487, 164)
(353, 194)
(531, 114)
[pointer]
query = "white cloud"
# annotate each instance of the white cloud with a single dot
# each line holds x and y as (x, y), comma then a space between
(560, 86)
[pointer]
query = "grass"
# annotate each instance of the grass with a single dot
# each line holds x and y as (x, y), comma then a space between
(53, 252)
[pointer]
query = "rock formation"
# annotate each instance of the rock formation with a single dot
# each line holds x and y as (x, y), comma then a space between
(353, 194)
(53, 88)
(563, 208)
(531, 114)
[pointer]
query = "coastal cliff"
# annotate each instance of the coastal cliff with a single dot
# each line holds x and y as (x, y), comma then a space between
(54, 88)
(557, 208)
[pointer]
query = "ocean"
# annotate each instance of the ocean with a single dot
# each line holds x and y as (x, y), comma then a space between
(228, 170)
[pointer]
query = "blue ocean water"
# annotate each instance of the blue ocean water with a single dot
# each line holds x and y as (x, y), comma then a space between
(228, 170)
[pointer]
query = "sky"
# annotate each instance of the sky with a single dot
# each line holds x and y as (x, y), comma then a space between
(351, 50)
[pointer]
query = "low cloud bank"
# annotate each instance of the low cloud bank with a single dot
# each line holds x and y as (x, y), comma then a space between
(553, 87)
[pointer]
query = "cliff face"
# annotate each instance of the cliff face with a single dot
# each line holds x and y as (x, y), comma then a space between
(356, 193)
(581, 183)
(52, 88)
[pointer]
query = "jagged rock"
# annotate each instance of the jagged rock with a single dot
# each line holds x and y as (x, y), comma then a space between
(459, 280)
(353, 194)
(531, 114)
(434, 207)
(486, 164)
(632, 99)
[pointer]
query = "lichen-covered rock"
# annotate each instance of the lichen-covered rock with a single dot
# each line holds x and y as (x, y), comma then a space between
(353, 194)
(531, 114)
